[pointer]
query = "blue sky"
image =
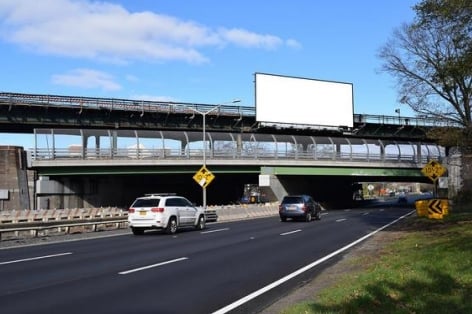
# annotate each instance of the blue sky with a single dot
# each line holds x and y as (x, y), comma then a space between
(204, 51)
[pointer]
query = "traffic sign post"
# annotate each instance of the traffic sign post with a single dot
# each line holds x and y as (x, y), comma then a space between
(204, 178)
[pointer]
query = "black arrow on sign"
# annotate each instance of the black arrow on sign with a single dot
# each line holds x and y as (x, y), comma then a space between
(434, 207)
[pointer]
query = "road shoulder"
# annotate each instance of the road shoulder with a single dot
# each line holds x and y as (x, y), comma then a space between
(347, 265)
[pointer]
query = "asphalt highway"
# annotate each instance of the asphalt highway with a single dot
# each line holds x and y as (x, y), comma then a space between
(233, 267)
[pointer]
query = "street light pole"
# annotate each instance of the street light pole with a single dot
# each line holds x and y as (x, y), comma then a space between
(204, 142)
(398, 111)
(204, 196)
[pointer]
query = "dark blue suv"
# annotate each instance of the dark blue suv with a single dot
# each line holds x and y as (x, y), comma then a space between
(299, 207)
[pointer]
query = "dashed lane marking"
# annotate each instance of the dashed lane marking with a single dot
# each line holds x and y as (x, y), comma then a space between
(126, 272)
(212, 231)
(290, 232)
(34, 258)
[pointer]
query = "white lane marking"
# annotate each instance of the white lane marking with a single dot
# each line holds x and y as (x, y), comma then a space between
(217, 230)
(339, 220)
(34, 258)
(152, 266)
(276, 283)
(364, 214)
(291, 232)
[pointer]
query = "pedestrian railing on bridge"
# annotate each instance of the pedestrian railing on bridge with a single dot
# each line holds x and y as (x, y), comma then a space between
(43, 154)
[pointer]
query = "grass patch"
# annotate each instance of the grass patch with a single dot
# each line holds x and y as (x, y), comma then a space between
(428, 269)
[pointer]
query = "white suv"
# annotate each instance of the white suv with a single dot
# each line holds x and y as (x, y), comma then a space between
(164, 211)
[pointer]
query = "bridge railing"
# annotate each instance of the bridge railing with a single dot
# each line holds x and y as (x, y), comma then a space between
(44, 154)
(401, 120)
(111, 104)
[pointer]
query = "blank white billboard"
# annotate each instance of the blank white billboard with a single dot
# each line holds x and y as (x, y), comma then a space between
(294, 100)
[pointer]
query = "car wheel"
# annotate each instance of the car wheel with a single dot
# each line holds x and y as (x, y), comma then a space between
(171, 226)
(318, 215)
(308, 217)
(201, 223)
(283, 219)
(137, 231)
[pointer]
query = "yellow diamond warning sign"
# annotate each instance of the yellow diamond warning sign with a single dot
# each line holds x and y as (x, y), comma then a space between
(433, 170)
(203, 177)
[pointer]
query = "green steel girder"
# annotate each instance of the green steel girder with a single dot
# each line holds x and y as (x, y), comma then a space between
(306, 171)
(130, 170)
(342, 171)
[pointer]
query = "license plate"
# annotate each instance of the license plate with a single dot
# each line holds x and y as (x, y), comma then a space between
(293, 207)
(142, 213)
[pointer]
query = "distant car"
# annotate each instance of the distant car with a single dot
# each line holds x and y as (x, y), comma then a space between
(168, 212)
(299, 207)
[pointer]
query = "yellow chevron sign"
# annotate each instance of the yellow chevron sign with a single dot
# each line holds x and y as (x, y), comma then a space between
(433, 170)
(432, 208)
(435, 209)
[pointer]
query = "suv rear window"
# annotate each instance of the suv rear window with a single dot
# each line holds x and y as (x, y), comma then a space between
(292, 200)
(177, 202)
(143, 202)
(173, 202)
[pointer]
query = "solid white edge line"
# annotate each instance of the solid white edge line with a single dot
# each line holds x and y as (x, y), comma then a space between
(263, 290)
(151, 266)
(35, 258)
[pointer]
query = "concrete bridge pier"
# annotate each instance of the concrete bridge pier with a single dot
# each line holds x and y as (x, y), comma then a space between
(14, 187)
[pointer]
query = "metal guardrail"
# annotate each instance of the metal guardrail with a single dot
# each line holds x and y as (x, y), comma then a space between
(35, 227)
(35, 221)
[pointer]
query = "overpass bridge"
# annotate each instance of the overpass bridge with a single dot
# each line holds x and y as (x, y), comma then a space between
(22, 113)
(87, 149)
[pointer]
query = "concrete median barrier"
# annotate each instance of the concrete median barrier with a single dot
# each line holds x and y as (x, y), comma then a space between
(36, 223)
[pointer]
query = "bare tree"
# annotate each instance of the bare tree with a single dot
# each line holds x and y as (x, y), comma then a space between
(431, 60)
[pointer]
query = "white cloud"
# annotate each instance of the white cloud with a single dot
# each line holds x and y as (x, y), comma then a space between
(293, 43)
(248, 39)
(106, 31)
(87, 78)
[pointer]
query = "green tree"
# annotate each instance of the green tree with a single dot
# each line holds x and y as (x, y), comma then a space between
(431, 60)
